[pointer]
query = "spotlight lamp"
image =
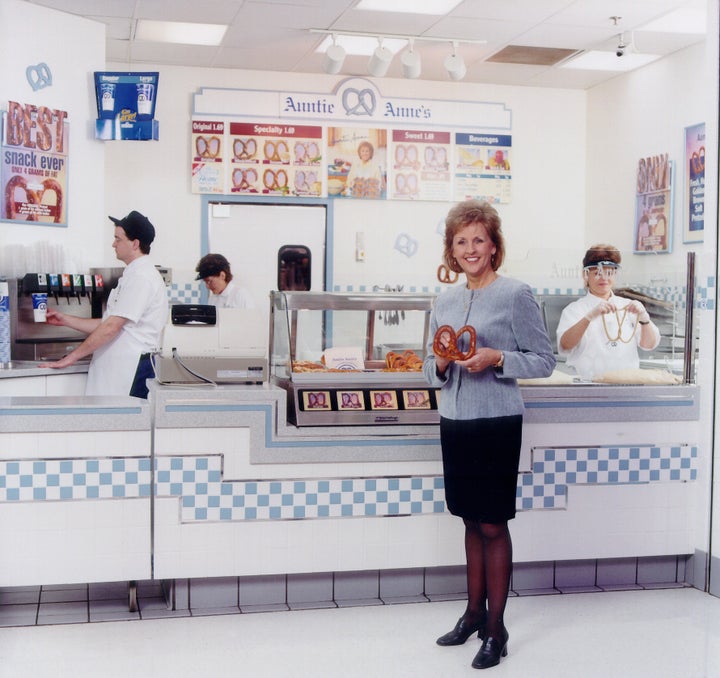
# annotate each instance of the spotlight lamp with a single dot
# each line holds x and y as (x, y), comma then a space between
(334, 58)
(454, 64)
(380, 60)
(410, 61)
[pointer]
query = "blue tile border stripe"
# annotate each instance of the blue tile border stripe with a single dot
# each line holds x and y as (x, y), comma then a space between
(197, 483)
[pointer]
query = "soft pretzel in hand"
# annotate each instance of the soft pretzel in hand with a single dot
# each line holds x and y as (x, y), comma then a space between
(445, 342)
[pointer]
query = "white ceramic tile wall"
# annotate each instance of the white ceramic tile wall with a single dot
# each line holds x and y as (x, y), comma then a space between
(74, 541)
(61, 542)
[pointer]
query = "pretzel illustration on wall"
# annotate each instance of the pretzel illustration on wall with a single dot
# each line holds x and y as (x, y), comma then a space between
(446, 275)
(33, 196)
(446, 343)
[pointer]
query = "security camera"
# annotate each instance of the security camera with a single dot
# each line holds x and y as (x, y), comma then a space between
(620, 51)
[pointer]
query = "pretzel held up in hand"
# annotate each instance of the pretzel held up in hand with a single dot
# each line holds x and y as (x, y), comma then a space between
(445, 342)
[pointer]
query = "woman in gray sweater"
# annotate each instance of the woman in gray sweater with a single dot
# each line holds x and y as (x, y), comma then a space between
(481, 411)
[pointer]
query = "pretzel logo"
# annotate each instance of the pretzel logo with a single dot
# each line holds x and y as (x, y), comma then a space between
(446, 342)
(207, 147)
(32, 205)
(446, 275)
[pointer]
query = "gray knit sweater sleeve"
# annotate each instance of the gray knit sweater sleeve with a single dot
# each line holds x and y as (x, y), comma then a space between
(506, 317)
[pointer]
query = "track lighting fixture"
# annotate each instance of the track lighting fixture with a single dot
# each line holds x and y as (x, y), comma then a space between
(334, 58)
(380, 60)
(410, 61)
(381, 56)
(454, 63)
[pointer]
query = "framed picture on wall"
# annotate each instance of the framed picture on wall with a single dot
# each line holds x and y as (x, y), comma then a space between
(694, 185)
(654, 205)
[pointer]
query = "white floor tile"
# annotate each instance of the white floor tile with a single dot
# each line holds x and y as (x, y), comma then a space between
(673, 633)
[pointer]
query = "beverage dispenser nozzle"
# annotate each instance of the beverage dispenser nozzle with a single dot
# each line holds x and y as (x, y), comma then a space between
(66, 286)
(77, 283)
(54, 285)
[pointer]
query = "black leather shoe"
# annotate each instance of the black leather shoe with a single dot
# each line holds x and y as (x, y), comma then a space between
(492, 649)
(462, 631)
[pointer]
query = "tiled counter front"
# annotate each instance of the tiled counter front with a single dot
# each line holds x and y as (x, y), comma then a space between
(75, 479)
(241, 493)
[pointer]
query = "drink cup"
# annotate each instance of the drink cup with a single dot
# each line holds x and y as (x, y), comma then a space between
(145, 96)
(107, 97)
(39, 300)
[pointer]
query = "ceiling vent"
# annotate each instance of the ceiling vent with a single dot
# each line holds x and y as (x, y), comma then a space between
(531, 56)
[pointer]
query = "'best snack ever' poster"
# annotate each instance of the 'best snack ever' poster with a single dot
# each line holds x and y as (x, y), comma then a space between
(33, 169)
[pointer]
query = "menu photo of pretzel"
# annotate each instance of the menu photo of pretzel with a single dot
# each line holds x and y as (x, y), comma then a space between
(316, 400)
(350, 400)
(383, 400)
(416, 400)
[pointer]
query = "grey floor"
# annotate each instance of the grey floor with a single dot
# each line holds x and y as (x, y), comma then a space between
(666, 633)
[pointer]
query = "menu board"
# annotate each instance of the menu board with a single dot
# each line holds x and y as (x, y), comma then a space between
(482, 167)
(420, 165)
(208, 169)
(284, 160)
(268, 159)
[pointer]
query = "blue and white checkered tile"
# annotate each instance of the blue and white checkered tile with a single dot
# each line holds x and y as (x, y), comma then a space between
(187, 293)
(545, 486)
(197, 480)
(68, 479)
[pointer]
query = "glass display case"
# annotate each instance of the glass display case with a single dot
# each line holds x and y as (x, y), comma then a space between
(352, 359)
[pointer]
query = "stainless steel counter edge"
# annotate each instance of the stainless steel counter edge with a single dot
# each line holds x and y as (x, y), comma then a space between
(73, 413)
(29, 368)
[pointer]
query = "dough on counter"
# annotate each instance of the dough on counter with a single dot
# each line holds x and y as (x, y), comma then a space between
(639, 376)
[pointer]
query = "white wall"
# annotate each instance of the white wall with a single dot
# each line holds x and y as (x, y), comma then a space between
(156, 176)
(73, 49)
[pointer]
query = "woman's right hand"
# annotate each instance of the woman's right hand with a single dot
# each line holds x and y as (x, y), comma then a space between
(601, 309)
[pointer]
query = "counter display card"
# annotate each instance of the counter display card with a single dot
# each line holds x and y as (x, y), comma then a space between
(383, 400)
(208, 171)
(694, 183)
(483, 167)
(276, 159)
(357, 163)
(416, 400)
(33, 171)
(654, 205)
(350, 400)
(316, 400)
(420, 165)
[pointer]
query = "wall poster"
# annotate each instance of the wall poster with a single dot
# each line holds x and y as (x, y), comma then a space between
(482, 167)
(653, 205)
(33, 171)
(357, 162)
(419, 168)
(694, 218)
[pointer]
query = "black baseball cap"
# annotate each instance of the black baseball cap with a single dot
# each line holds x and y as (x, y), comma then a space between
(137, 227)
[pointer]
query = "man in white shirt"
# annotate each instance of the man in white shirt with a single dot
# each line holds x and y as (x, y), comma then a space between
(133, 321)
(214, 271)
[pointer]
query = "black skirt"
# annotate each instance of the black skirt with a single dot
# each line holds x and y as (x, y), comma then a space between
(480, 466)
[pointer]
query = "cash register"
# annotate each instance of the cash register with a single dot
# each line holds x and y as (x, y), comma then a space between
(203, 344)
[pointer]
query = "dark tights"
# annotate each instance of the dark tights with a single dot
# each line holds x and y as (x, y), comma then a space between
(488, 551)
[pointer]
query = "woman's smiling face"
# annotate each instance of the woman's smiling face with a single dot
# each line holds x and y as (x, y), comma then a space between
(473, 249)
